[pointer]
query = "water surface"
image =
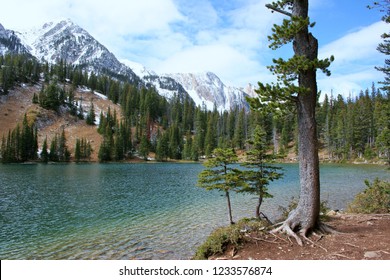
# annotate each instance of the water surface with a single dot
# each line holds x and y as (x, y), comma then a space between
(135, 211)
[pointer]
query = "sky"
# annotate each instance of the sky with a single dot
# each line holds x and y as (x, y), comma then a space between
(227, 37)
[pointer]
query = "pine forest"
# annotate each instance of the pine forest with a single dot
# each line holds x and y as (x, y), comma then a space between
(352, 129)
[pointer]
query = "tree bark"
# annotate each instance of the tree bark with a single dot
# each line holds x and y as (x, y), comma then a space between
(305, 217)
(229, 208)
(309, 203)
(259, 202)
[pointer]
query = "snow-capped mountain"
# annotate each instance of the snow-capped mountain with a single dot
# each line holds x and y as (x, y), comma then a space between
(208, 89)
(165, 86)
(10, 42)
(64, 40)
(204, 88)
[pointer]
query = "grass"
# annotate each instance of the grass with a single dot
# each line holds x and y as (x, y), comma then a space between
(234, 235)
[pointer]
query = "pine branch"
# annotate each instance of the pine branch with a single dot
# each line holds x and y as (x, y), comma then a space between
(276, 9)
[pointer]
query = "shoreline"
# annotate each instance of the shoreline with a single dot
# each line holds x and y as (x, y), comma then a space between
(138, 160)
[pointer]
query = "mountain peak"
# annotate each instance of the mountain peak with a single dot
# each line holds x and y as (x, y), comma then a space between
(208, 89)
(63, 40)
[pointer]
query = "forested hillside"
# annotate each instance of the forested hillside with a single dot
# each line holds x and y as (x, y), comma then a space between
(143, 124)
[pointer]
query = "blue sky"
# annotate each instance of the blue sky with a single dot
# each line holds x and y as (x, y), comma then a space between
(226, 37)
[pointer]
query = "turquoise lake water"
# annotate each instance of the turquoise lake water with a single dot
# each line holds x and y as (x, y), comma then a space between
(136, 211)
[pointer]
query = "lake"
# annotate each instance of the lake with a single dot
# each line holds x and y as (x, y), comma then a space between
(136, 211)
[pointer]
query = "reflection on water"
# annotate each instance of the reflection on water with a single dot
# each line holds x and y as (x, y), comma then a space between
(135, 211)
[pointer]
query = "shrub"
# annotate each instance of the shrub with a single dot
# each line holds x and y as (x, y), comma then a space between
(374, 199)
(219, 239)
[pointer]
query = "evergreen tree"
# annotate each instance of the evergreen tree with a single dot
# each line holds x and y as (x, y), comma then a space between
(105, 150)
(44, 154)
(162, 150)
(187, 150)
(35, 99)
(260, 172)
(63, 152)
(4, 151)
(384, 47)
(239, 132)
(144, 148)
(302, 68)
(90, 120)
(77, 151)
(220, 175)
(53, 154)
(50, 97)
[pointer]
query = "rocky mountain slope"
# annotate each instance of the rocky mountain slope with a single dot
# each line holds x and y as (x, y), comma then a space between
(66, 41)
(18, 102)
(208, 89)
(10, 42)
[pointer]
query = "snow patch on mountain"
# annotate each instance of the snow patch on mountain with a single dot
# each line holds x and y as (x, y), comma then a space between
(208, 89)
(139, 69)
(66, 41)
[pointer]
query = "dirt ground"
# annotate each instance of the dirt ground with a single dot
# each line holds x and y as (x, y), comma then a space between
(19, 102)
(360, 237)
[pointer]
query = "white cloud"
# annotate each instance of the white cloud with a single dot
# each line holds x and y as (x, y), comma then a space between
(349, 84)
(226, 37)
(357, 46)
(123, 17)
(355, 60)
(230, 46)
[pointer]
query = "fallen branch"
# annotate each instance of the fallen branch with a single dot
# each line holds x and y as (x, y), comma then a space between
(279, 237)
(313, 243)
(349, 244)
(371, 219)
(261, 239)
(340, 255)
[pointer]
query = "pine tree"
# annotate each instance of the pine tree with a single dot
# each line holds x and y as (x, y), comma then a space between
(4, 151)
(90, 120)
(53, 154)
(211, 137)
(77, 151)
(63, 152)
(44, 154)
(162, 149)
(220, 175)
(35, 99)
(239, 132)
(384, 47)
(260, 172)
(302, 68)
(144, 148)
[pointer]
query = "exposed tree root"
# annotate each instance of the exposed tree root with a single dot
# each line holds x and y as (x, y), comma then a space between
(325, 229)
(288, 228)
(285, 227)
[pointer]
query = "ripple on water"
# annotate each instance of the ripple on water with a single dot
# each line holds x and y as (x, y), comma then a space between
(126, 211)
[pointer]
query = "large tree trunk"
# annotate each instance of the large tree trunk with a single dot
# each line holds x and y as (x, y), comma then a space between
(305, 218)
(308, 208)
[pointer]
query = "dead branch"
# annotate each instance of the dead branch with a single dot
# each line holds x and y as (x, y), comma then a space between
(279, 237)
(276, 9)
(261, 239)
(349, 244)
(340, 255)
(313, 243)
